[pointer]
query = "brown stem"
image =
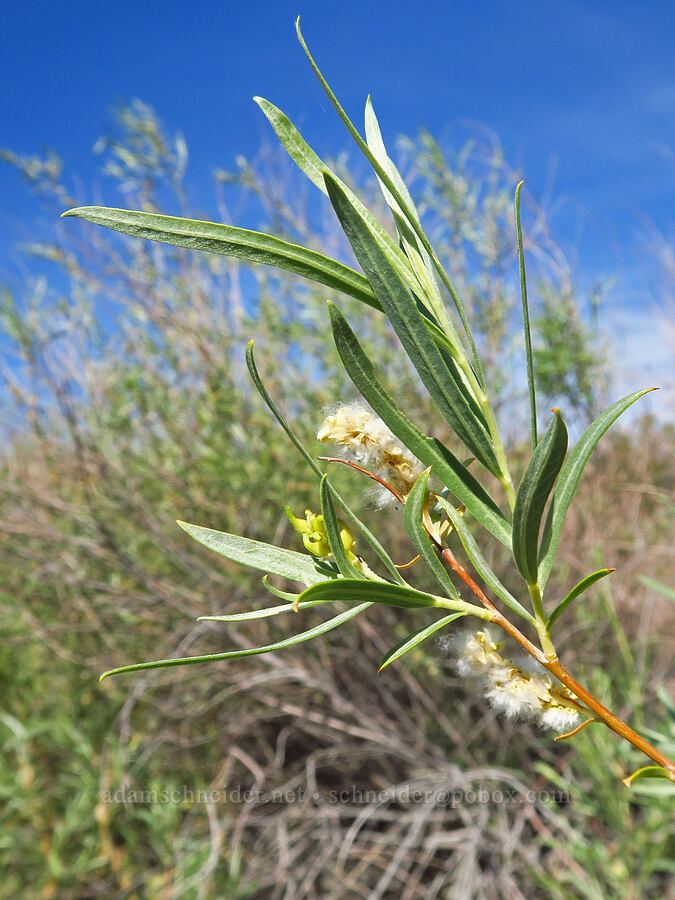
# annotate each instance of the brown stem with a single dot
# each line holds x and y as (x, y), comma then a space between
(555, 667)
(498, 618)
(353, 465)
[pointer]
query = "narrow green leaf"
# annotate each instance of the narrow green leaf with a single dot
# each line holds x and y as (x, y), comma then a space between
(532, 494)
(344, 564)
(287, 563)
(276, 412)
(412, 517)
(314, 167)
(526, 323)
(569, 478)
(429, 451)
(226, 240)
(479, 562)
(409, 325)
(260, 613)
(576, 591)
(318, 630)
(350, 590)
(353, 518)
(415, 639)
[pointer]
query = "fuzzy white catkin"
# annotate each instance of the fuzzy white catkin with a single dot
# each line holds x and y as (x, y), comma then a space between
(559, 718)
(515, 691)
(365, 439)
(514, 694)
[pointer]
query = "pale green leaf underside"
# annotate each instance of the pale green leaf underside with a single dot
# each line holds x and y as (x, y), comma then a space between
(265, 557)
(226, 240)
(314, 168)
(261, 613)
(649, 772)
(414, 249)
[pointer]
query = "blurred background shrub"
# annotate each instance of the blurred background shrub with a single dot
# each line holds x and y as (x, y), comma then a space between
(126, 404)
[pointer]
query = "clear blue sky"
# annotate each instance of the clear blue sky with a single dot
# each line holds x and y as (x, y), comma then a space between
(588, 85)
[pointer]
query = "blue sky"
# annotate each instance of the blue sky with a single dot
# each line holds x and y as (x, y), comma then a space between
(585, 88)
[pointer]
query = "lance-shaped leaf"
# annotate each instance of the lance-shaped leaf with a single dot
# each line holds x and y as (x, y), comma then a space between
(526, 323)
(314, 167)
(249, 246)
(330, 520)
(265, 557)
(415, 639)
(569, 478)
(409, 325)
(447, 468)
(412, 516)
(261, 613)
(377, 148)
(349, 513)
(479, 562)
(318, 630)
(406, 220)
(532, 494)
(576, 591)
(350, 590)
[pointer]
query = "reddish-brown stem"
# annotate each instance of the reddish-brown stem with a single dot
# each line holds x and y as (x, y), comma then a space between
(353, 465)
(556, 669)
(498, 618)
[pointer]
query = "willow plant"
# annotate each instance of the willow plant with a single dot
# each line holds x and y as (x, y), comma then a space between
(438, 493)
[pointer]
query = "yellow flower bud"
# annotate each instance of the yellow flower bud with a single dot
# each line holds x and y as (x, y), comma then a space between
(315, 538)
